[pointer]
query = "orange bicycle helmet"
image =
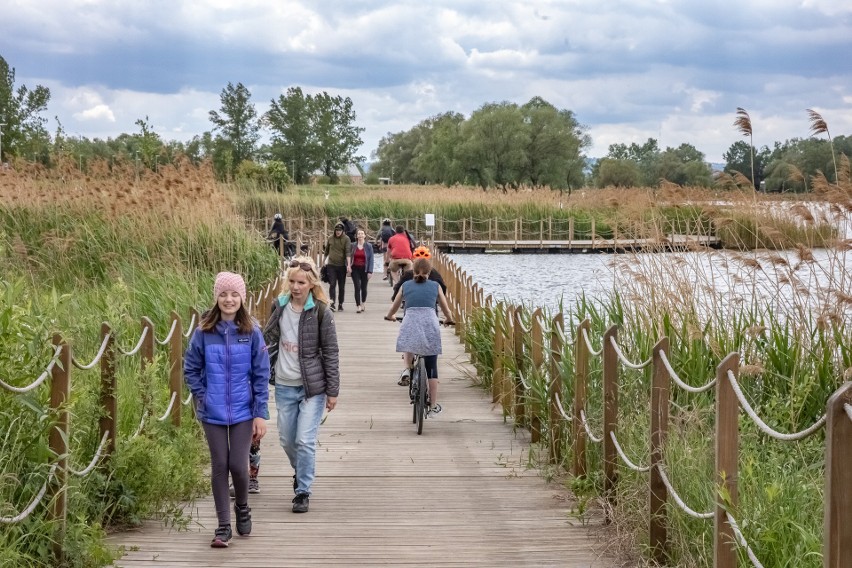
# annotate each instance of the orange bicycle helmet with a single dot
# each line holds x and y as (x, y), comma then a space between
(421, 252)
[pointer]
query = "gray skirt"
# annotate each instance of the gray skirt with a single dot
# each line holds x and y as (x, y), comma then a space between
(420, 332)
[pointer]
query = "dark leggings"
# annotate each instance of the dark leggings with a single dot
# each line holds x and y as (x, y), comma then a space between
(359, 281)
(336, 277)
(431, 362)
(229, 451)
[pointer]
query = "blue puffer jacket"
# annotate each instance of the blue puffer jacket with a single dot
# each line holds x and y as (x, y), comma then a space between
(228, 374)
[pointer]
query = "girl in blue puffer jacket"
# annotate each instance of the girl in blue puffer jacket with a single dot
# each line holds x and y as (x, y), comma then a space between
(226, 368)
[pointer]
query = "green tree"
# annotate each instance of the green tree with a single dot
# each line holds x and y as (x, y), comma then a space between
(311, 132)
(437, 160)
(555, 144)
(617, 172)
(23, 132)
(494, 145)
(684, 165)
(740, 157)
(237, 125)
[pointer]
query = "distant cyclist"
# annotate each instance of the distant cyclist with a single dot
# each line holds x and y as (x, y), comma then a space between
(399, 252)
(420, 331)
(385, 233)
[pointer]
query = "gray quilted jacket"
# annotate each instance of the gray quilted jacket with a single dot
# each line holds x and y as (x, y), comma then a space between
(318, 351)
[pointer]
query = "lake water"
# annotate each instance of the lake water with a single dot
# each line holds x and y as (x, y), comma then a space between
(715, 279)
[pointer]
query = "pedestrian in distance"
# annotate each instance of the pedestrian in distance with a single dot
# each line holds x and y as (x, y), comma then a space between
(279, 237)
(338, 259)
(385, 233)
(226, 368)
(362, 269)
(303, 352)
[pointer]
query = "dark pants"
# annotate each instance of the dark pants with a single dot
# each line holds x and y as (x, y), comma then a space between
(359, 280)
(229, 452)
(336, 278)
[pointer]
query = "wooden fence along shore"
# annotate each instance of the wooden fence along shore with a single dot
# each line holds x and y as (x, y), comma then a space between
(542, 344)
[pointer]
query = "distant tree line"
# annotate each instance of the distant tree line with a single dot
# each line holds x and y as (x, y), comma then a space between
(501, 145)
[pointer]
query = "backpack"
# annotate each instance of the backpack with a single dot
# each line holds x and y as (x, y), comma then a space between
(411, 242)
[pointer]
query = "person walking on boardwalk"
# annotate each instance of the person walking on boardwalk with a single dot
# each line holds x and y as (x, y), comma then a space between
(420, 331)
(303, 351)
(362, 269)
(279, 238)
(338, 258)
(385, 233)
(226, 368)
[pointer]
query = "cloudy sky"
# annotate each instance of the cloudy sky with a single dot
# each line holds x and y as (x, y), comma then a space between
(675, 70)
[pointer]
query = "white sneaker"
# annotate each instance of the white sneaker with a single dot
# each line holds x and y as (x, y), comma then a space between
(435, 411)
(404, 378)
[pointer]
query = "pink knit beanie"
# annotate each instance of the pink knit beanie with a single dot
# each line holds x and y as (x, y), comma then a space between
(229, 281)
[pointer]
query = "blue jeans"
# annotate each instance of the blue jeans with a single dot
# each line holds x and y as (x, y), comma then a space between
(298, 422)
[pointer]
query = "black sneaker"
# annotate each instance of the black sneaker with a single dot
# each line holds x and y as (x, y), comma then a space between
(300, 503)
(254, 486)
(340, 308)
(331, 307)
(222, 537)
(243, 513)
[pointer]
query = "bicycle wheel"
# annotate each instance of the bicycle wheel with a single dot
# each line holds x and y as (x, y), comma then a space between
(413, 395)
(422, 387)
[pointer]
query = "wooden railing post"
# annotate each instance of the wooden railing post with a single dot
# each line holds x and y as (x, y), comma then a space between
(146, 358)
(538, 366)
(837, 547)
(176, 368)
(556, 345)
(520, 395)
(509, 355)
(581, 374)
(109, 404)
(60, 391)
(727, 466)
(610, 418)
(464, 229)
(497, 356)
(658, 494)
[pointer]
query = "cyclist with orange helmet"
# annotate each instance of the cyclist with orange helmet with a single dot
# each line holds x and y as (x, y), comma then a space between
(420, 330)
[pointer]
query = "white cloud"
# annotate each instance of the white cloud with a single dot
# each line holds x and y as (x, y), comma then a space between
(97, 112)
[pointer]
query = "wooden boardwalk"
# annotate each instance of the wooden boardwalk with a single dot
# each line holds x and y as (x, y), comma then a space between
(459, 495)
(577, 246)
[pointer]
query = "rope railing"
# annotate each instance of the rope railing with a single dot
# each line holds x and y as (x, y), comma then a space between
(742, 541)
(98, 454)
(187, 400)
(560, 333)
(523, 382)
(625, 459)
(169, 409)
(141, 425)
(625, 361)
(33, 504)
(677, 498)
(190, 327)
(138, 346)
(592, 437)
(41, 378)
(561, 408)
(169, 336)
(679, 382)
(764, 427)
(588, 341)
(97, 358)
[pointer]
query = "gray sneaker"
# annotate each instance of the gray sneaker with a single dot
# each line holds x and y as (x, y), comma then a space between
(254, 486)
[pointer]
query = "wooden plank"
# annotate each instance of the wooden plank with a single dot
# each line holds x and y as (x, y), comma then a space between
(461, 494)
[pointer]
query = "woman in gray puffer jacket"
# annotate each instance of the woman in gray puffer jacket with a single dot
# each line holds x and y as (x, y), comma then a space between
(303, 354)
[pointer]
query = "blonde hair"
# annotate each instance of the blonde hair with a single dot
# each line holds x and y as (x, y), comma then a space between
(312, 275)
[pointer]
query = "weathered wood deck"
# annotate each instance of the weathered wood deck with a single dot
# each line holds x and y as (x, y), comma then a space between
(459, 495)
